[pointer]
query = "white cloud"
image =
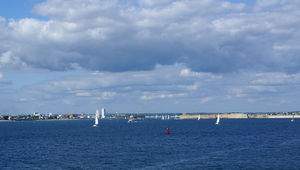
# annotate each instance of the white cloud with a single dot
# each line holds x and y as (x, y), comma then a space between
(262, 4)
(146, 50)
(254, 100)
(7, 60)
(205, 100)
(263, 88)
(188, 73)
(275, 78)
(218, 36)
(162, 87)
(108, 95)
(161, 96)
(153, 2)
(191, 87)
(24, 99)
(83, 94)
(238, 92)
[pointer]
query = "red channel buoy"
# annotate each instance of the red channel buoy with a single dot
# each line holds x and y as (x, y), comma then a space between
(167, 132)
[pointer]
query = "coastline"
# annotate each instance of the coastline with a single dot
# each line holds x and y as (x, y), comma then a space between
(237, 116)
(189, 116)
(39, 120)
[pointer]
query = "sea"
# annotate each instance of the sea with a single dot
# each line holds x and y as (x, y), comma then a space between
(116, 144)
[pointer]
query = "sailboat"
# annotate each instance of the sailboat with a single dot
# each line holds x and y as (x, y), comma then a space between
(199, 117)
(96, 118)
(131, 119)
(102, 113)
(293, 118)
(218, 119)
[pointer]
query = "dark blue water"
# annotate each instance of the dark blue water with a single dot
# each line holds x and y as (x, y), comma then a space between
(116, 144)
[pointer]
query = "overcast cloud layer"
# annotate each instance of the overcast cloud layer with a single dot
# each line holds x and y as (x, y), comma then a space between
(152, 56)
(111, 35)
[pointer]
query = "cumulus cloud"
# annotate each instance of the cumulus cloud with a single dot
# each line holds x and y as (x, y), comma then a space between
(10, 62)
(206, 36)
(143, 51)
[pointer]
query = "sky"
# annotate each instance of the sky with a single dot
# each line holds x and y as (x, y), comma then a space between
(141, 56)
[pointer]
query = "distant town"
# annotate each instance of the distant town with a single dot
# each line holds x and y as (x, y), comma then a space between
(73, 116)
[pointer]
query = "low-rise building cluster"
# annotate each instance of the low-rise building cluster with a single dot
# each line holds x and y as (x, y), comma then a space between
(39, 116)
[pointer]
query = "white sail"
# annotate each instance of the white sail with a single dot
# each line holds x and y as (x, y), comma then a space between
(292, 120)
(131, 119)
(218, 119)
(102, 113)
(199, 117)
(96, 118)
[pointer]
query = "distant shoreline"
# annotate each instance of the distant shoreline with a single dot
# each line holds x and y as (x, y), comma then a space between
(237, 116)
(192, 116)
(38, 120)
